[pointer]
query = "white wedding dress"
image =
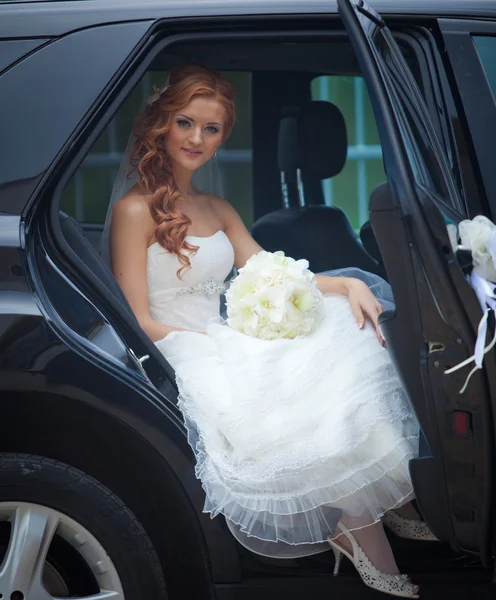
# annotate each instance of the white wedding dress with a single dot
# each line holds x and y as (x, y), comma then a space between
(286, 433)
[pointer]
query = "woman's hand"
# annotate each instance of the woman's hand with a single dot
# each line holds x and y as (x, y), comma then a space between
(362, 301)
(364, 304)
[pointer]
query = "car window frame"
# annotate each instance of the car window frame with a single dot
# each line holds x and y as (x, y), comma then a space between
(439, 97)
(469, 74)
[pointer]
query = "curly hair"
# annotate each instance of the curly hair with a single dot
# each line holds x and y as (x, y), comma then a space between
(154, 168)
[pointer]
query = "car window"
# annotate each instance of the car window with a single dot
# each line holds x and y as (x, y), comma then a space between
(350, 190)
(486, 47)
(425, 152)
(87, 195)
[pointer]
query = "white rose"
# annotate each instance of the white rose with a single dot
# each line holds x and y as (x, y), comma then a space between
(476, 235)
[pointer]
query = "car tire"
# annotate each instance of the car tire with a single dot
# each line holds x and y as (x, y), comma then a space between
(95, 543)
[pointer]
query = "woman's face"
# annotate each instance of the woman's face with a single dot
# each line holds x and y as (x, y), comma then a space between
(196, 133)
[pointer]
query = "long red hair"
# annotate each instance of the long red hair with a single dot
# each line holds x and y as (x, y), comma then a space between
(151, 161)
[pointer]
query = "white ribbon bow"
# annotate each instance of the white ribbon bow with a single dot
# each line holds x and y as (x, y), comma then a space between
(485, 291)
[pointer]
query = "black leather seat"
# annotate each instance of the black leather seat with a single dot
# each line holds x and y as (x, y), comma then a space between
(369, 242)
(321, 234)
(312, 146)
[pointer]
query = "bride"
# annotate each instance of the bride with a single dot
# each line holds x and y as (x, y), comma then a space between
(299, 443)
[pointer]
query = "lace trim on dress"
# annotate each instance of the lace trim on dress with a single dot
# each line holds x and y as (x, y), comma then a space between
(208, 288)
(306, 517)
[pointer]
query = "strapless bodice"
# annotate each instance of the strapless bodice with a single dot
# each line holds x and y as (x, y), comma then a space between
(192, 301)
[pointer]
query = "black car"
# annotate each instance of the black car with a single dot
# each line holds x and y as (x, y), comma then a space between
(98, 497)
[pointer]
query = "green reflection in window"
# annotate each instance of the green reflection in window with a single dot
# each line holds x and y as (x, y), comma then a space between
(486, 46)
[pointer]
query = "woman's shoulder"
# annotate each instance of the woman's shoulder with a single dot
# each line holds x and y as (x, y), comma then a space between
(133, 209)
(134, 203)
(225, 212)
(220, 205)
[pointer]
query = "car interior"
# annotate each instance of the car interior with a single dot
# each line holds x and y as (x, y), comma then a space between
(306, 139)
(293, 137)
(298, 144)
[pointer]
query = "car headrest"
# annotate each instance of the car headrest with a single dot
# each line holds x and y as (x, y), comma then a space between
(313, 139)
(287, 145)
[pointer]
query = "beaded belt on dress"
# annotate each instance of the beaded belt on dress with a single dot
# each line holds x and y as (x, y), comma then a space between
(209, 288)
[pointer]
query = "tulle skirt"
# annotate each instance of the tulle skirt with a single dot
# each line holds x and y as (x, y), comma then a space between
(289, 433)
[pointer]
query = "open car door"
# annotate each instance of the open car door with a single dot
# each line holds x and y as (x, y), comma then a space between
(434, 326)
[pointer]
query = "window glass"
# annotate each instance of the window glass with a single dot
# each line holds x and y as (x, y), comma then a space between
(364, 170)
(235, 156)
(429, 165)
(486, 46)
(87, 195)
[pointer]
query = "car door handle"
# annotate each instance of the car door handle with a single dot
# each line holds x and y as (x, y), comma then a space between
(143, 358)
(139, 362)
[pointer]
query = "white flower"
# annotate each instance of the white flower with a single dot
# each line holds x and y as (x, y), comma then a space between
(274, 296)
(246, 314)
(300, 296)
(477, 235)
(242, 286)
(271, 303)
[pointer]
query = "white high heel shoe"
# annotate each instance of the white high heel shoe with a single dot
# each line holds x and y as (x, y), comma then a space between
(409, 529)
(395, 585)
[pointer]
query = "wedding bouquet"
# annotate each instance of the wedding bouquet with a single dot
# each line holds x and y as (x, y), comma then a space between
(274, 297)
(478, 235)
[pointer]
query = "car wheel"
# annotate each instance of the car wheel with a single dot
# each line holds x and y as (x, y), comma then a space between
(65, 535)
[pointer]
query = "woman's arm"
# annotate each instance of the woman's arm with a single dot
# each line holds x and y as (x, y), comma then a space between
(362, 300)
(130, 232)
(243, 244)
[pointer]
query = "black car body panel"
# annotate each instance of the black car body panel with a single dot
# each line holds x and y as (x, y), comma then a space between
(61, 102)
(27, 19)
(68, 347)
(14, 50)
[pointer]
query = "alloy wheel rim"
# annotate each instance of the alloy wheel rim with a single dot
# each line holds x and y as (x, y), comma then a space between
(27, 573)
